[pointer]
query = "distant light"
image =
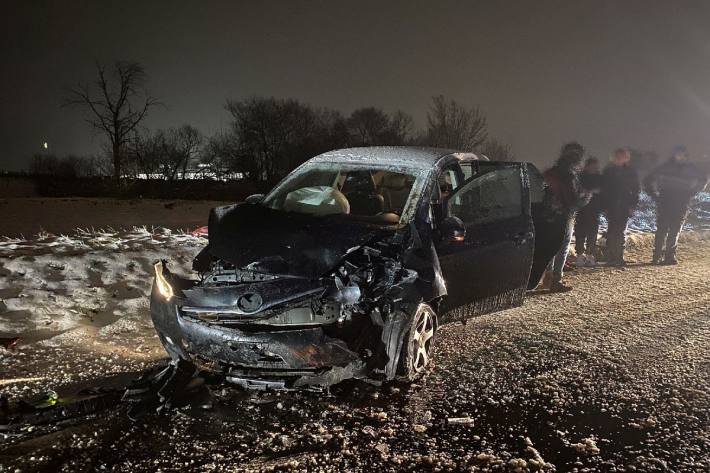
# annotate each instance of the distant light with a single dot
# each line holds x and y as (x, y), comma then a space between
(45, 145)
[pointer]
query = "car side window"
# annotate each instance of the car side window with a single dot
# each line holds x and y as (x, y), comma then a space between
(496, 195)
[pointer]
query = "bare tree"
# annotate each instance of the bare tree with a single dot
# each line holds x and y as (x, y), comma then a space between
(165, 152)
(117, 103)
(401, 128)
(372, 126)
(145, 153)
(496, 150)
(223, 155)
(184, 145)
(450, 125)
(269, 137)
(368, 126)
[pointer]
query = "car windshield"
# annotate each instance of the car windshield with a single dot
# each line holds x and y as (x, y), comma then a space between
(375, 194)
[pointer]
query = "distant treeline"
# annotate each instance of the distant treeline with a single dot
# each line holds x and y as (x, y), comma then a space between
(268, 137)
(265, 139)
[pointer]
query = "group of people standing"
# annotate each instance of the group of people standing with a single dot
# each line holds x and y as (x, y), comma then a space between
(578, 192)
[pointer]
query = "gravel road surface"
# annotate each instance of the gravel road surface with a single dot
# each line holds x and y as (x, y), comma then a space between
(614, 376)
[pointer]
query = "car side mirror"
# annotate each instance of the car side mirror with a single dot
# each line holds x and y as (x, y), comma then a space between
(453, 230)
(254, 198)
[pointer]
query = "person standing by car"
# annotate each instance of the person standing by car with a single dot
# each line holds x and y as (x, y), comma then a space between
(620, 196)
(563, 197)
(586, 225)
(672, 185)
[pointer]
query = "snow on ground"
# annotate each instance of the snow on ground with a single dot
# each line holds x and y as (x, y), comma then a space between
(83, 296)
(55, 284)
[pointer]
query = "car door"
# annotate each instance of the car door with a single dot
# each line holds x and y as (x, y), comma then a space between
(490, 268)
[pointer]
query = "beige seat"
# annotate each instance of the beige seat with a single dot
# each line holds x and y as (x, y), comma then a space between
(395, 189)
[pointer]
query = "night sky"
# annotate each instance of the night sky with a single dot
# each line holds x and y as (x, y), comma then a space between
(607, 73)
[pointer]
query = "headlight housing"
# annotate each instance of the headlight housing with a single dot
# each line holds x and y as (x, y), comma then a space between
(163, 285)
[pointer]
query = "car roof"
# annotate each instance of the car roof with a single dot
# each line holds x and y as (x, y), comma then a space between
(411, 157)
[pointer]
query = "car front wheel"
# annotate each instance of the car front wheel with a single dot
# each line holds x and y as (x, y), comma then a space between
(418, 346)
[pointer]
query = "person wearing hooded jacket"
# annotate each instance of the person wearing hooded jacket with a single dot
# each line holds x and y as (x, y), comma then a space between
(672, 185)
(564, 195)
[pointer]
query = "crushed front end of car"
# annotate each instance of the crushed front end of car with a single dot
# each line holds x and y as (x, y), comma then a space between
(283, 320)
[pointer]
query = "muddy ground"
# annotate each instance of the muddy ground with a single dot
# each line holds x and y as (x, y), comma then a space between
(614, 376)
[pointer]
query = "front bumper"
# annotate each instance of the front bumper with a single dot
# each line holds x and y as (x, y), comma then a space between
(255, 356)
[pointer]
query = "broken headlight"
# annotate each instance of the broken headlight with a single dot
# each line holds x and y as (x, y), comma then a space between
(163, 285)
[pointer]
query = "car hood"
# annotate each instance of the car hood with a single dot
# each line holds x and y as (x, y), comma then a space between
(270, 241)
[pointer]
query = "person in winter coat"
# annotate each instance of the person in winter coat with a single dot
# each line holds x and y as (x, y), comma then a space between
(672, 185)
(563, 197)
(620, 197)
(586, 224)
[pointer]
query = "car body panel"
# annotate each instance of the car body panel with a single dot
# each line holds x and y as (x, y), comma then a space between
(489, 270)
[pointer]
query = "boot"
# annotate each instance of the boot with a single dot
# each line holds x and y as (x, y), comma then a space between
(670, 259)
(557, 284)
(670, 254)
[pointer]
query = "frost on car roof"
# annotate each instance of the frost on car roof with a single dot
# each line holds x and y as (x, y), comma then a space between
(396, 156)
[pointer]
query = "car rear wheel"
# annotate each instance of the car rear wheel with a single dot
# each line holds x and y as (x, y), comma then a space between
(418, 346)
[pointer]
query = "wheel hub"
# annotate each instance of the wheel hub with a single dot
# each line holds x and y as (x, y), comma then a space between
(422, 340)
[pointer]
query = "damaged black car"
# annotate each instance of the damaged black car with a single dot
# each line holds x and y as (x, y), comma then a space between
(349, 265)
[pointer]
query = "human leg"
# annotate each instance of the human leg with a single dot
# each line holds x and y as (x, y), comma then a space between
(662, 228)
(558, 263)
(675, 225)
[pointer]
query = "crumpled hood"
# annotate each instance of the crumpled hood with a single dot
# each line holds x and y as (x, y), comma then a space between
(271, 241)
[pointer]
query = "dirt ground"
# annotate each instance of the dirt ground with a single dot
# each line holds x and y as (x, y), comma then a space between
(29, 216)
(614, 376)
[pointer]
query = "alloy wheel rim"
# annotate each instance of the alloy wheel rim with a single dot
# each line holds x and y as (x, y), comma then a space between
(422, 340)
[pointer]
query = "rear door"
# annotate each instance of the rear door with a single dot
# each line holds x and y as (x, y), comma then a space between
(489, 270)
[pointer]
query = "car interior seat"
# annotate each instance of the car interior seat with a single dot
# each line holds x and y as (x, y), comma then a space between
(395, 190)
(359, 188)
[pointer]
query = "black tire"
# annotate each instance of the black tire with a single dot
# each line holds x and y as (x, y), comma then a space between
(418, 345)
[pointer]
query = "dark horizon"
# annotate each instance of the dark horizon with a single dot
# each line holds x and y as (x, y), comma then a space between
(603, 73)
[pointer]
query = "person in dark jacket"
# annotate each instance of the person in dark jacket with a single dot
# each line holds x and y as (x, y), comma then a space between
(620, 196)
(563, 197)
(586, 224)
(672, 185)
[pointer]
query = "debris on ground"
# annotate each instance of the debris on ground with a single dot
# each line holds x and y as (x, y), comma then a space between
(460, 420)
